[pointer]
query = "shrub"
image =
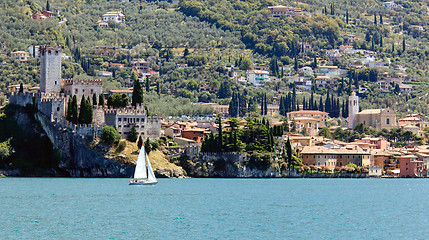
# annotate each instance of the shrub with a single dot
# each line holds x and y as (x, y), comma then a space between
(110, 135)
(121, 146)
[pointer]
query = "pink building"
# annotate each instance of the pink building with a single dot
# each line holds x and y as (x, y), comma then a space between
(410, 166)
(375, 143)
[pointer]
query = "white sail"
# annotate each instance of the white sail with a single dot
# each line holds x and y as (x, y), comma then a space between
(140, 171)
(151, 175)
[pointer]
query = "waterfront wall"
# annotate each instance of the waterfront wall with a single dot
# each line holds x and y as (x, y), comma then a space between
(77, 159)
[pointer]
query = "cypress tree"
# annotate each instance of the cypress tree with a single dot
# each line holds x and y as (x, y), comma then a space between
(403, 45)
(262, 106)
(289, 153)
(304, 104)
(48, 6)
(347, 16)
(101, 100)
(265, 105)
(140, 142)
(21, 88)
(381, 19)
(381, 43)
(137, 97)
(147, 84)
(281, 106)
(74, 111)
(69, 110)
(147, 146)
(326, 11)
(293, 102)
(393, 46)
(220, 135)
(82, 112)
(94, 99)
(320, 104)
(375, 19)
(296, 64)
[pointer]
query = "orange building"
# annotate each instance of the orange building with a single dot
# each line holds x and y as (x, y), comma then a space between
(196, 134)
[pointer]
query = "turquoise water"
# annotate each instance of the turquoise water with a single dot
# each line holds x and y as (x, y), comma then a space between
(59, 208)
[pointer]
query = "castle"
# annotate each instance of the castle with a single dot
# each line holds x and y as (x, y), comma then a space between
(54, 93)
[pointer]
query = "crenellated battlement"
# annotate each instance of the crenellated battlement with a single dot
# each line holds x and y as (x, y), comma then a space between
(138, 110)
(46, 49)
(96, 82)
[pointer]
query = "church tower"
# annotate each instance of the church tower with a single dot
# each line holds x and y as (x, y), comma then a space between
(353, 109)
(50, 69)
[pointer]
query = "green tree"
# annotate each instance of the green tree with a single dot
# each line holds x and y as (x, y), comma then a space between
(147, 84)
(101, 100)
(74, 110)
(94, 99)
(140, 142)
(324, 132)
(48, 6)
(85, 113)
(133, 135)
(117, 100)
(137, 97)
(21, 88)
(289, 153)
(147, 146)
(110, 135)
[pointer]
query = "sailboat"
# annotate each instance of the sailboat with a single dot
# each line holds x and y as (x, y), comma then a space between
(143, 175)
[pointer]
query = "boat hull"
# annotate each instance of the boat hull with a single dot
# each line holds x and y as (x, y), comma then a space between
(142, 182)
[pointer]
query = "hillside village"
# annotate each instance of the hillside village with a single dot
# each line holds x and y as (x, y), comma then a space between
(321, 101)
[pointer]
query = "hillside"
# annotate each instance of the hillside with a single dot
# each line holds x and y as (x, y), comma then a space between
(207, 35)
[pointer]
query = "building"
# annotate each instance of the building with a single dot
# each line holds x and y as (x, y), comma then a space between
(375, 142)
(82, 88)
(390, 5)
(353, 110)
(349, 39)
(333, 54)
(332, 157)
(124, 119)
(102, 24)
(375, 171)
(277, 11)
(104, 73)
(317, 118)
(410, 166)
(329, 70)
(196, 134)
(48, 14)
(22, 56)
(117, 17)
(377, 118)
(257, 77)
(411, 121)
(38, 17)
(405, 88)
(50, 69)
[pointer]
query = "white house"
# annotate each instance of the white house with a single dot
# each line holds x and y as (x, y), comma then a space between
(114, 16)
(257, 77)
(329, 70)
(390, 5)
(375, 171)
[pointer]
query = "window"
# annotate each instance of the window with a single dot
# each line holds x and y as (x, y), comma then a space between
(76, 91)
(387, 121)
(58, 109)
(55, 82)
(119, 119)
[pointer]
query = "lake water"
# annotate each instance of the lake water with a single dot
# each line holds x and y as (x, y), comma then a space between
(60, 208)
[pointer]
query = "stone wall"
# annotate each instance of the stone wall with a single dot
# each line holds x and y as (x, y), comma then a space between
(77, 159)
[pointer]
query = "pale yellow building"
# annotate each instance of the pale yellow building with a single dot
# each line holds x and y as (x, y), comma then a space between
(377, 118)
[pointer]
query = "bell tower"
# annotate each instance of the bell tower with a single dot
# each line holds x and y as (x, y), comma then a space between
(50, 69)
(353, 109)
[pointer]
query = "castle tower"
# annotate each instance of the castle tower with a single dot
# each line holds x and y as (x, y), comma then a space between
(50, 69)
(353, 109)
